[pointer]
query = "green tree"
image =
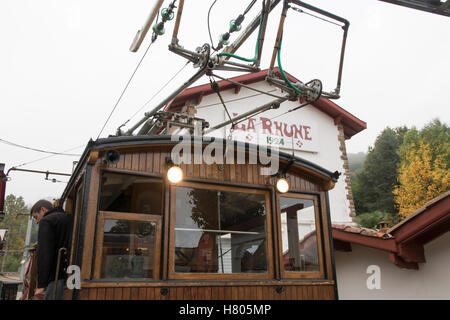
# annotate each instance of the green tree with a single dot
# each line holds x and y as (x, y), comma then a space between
(15, 221)
(373, 185)
(372, 219)
(423, 172)
(435, 134)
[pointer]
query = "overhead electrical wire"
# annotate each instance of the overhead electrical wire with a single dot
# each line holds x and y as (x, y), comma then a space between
(209, 27)
(215, 87)
(38, 150)
(317, 17)
(36, 160)
(246, 86)
(249, 7)
(154, 36)
(161, 89)
(234, 100)
(281, 114)
(126, 87)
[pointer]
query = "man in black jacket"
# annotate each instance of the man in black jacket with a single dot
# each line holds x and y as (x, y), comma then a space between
(55, 230)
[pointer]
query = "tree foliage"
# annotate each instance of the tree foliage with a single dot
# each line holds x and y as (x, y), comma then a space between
(423, 172)
(15, 221)
(373, 185)
(372, 219)
(355, 163)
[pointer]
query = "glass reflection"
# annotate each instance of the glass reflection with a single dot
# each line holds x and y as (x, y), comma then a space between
(220, 232)
(299, 237)
(128, 249)
(130, 193)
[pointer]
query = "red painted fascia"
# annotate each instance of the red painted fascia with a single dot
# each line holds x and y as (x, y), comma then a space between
(425, 223)
(368, 241)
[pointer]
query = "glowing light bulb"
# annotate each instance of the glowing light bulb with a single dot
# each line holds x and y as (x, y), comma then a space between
(175, 174)
(282, 185)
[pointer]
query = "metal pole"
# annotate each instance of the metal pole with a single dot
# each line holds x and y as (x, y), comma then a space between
(177, 21)
(318, 10)
(55, 285)
(220, 236)
(150, 114)
(248, 31)
(279, 35)
(245, 86)
(203, 69)
(344, 40)
(140, 35)
(271, 105)
(37, 171)
(28, 236)
(263, 32)
(341, 62)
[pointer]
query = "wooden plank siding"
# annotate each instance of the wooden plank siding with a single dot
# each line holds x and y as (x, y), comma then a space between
(291, 292)
(151, 160)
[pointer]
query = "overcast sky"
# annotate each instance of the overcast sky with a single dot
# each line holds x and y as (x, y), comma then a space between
(63, 65)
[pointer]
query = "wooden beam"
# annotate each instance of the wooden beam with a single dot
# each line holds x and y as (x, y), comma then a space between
(93, 157)
(412, 252)
(399, 262)
(342, 245)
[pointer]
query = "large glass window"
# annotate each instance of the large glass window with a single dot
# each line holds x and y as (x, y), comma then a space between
(220, 231)
(300, 247)
(130, 193)
(128, 249)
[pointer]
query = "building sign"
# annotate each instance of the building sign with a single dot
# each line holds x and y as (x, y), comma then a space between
(284, 134)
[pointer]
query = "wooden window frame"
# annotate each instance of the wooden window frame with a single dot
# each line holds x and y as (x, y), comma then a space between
(78, 208)
(220, 276)
(108, 215)
(317, 213)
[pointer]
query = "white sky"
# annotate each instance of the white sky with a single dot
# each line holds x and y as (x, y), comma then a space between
(63, 64)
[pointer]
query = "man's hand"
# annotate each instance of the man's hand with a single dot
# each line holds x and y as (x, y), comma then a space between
(39, 294)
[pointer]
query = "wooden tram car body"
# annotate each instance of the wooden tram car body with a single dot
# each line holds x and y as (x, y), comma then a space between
(223, 232)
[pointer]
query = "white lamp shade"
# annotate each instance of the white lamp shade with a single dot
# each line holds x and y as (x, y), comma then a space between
(282, 185)
(175, 174)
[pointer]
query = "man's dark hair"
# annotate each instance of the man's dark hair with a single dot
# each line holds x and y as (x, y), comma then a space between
(41, 204)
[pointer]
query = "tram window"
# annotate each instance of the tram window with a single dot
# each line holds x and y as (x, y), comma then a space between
(128, 249)
(299, 235)
(220, 232)
(130, 193)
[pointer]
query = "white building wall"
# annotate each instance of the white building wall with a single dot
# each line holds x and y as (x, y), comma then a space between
(324, 132)
(431, 281)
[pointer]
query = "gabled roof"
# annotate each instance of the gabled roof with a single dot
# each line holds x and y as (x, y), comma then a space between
(405, 241)
(352, 125)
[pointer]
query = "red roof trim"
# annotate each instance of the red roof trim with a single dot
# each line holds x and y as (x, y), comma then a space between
(406, 240)
(424, 223)
(352, 125)
(368, 241)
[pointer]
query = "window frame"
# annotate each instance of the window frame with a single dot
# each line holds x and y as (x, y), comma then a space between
(320, 250)
(108, 215)
(77, 212)
(220, 276)
(133, 216)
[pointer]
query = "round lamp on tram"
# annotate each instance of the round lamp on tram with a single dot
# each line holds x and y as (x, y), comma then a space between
(175, 174)
(282, 185)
